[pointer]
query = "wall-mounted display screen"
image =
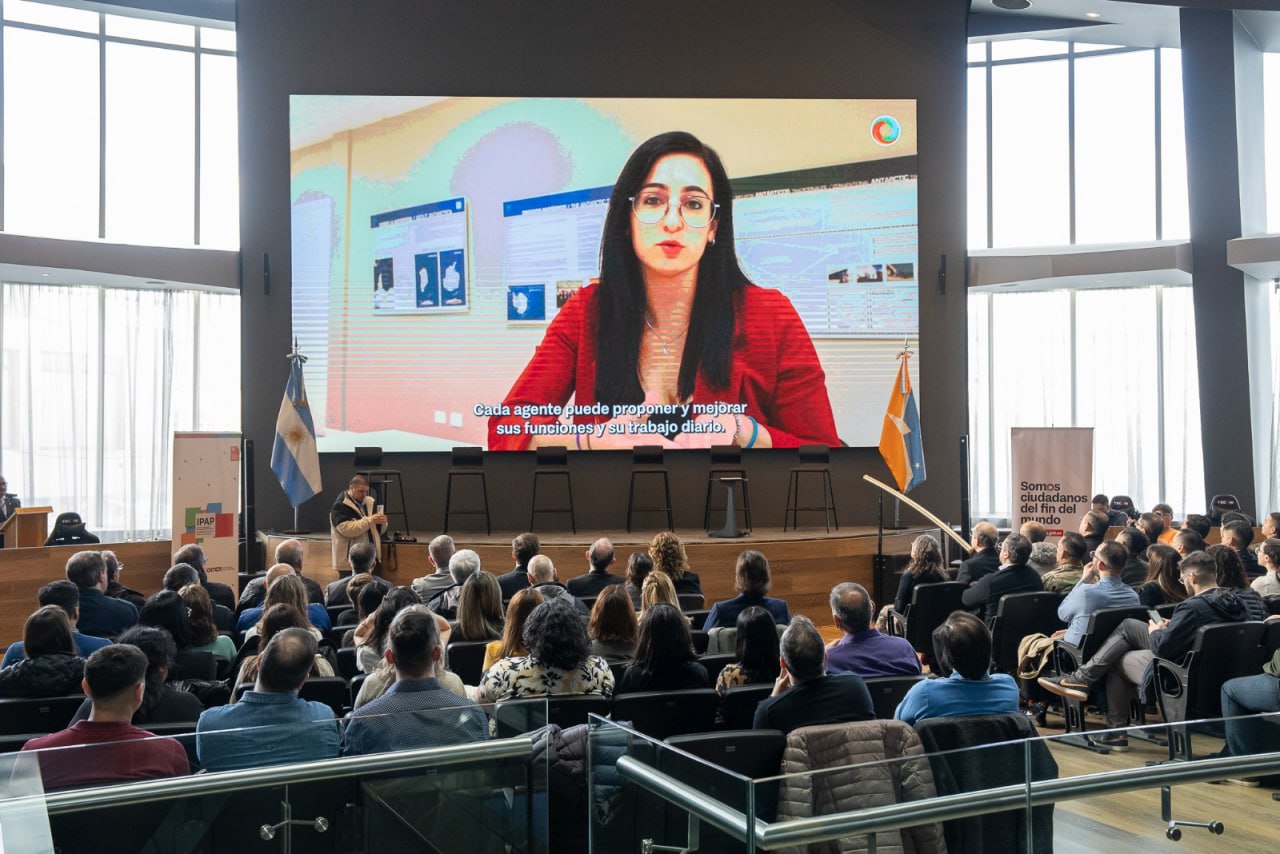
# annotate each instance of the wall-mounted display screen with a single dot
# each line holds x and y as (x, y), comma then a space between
(602, 272)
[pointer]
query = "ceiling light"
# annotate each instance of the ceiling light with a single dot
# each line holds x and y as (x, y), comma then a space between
(1093, 14)
(1011, 5)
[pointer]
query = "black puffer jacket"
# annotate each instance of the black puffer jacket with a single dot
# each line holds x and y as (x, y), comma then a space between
(50, 675)
(1215, 605)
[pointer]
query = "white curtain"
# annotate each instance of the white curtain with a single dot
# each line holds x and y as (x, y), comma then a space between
(96, 381)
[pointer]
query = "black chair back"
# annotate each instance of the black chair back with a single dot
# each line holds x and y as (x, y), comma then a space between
(68, 530)
(1101, 624)
(646, 455)
(1270, 640)
(715, 663)
(817, 455)
(887, 692)
(467, 456)
(1124, 504)
(691, 601)
(368, 457)
(738, 706)
(1220, 504)
(700, 639)
(1273, 604)
(552, 455)
(617, 668)
(931, 604)
(38, 716)
(330, 690)
(466, 659)
(660, 714)
(348, 668)
(1192, 688)
(1019, 615)
(336, 611)
(516, 717)
(753, 753)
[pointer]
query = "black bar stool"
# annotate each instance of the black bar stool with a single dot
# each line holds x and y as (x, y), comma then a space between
(368, 463)
(814, 460)
(726, 461)
(466, 461)
(553, 462)
(646, 461)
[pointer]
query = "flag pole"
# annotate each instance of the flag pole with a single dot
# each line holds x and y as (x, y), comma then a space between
(295, 356)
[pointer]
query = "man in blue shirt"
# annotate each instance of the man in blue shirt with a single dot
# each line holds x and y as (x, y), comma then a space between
(1100, 587)
(863, 650)
(964, 646)
(417, 711)
(271, 725)
(100, 615)
(249, 617)
(66, 596)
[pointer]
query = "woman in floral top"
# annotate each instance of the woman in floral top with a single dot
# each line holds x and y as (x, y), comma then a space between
(558, 662)
(757, 651)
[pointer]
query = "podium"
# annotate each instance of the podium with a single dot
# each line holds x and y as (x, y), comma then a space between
(28, 527)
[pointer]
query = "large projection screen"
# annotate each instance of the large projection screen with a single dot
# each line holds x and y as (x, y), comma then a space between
(436, 242)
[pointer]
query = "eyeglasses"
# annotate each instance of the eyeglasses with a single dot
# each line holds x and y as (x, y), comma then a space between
(652, 206)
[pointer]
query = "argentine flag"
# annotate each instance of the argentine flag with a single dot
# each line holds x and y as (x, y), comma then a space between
(294, 457)
(900, 442)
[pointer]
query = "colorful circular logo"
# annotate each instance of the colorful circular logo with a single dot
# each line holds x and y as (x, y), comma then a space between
(885, 130)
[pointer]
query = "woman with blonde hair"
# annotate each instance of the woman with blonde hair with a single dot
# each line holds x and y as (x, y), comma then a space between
(479, 609)
(667, 552)
(512, 644)
(286, 590)
(204, 634)
(277, 618)
(657, 589)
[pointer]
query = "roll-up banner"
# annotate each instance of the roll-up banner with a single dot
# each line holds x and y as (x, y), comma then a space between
(206, 495)
(1052, 476)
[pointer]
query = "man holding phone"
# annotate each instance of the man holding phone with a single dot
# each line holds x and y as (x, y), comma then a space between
(355, 519)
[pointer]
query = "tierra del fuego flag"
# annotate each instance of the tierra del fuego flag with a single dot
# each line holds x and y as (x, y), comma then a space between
(900, 442)
(294, 457)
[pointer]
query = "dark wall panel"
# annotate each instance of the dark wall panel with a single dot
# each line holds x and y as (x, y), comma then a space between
(752, 48)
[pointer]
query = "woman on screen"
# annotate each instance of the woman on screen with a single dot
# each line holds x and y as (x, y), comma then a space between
(673, 321)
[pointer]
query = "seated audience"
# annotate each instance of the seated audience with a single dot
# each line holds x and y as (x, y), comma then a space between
(66, 596)
(464, 564)
(1124, 658)
(1271, 526)
(167, 611)
(1115, 518)
(752, 581)
(350, 616)
(1230, 569)
(1163, 585)
(613, 627)
(1135, 543)
(985, 558)
(271, 725)
(1152, 527)
(371, 649)
(657, 590)
(431, 585)
(544, 578)
(416, 711)
(287, 587)
(289, 553)
(523, 549)
(962, 648)
(1164, 513)
(115, 589)
(1238, 535)
(1093, 527)
(161, 702)
(925, 567)
(1247, 736)
(1034, 532)
(1102, 586)
(559, 659)
(100, 616)
(1072, 550)
(114, 679)
(367, 598)
(667, 552)
(665, 660)
(183, 575)
(276, 619)
(51, 667)
(362, 558)
(194, 555)
(512, 644)
(599, 558)
(803, 694)
(1187, 541)
(756, 650)
(204, 634)
(639, 565)
(1199, 523)
(1044, 558)
(1267, 584)
(862, 649)
(1014, 576)
(479, 609)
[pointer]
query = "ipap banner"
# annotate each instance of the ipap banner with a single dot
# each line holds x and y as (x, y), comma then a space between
(206, 499)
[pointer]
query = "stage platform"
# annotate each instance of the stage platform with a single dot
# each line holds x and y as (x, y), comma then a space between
(805, 564)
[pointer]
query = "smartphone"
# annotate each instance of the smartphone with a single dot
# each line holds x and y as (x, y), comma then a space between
(379, 512)
(1154, 615)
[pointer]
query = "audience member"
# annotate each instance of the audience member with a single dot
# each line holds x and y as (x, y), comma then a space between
(1165, 514)
(559, 659)
(100, 616)
(1125, 657)
(523, 549)
(639, 565)
(1152, 526)
(962, 649)
(985, 558)
(1044, 558)
(161, 702)
(1072, 550)
(862, 649)
(184, 574)
(1102, 586)
(1271, 526)
(1164, 584)
(114, 679)
(1014, 576)
(752, 581)
(479, 609)
(1199, 523)
(371, 650)
(274, 620)
(1115, 518)
(512, 644)
(1093, 527)
(925, 567)
(271, 725)
(194, 555)
(464, 564)
(51, 668)
(756, 650)
(667, 552)
(1034, 532)
(368, 598)
(613, 627)
(1135, 543)
(286, 588)
(115, 589)
(1238, 535)
(665, 660)
(803, 694)
(1230, 569)
(439, 552)
(599, 558)
(1252, 695)
(356, 583)
(66, 596)
(657, 590)
(204, 634)
(1267, 584)
(416, 711)
(362, 558)
(167, 611)
(1187, 541)
(289, 553)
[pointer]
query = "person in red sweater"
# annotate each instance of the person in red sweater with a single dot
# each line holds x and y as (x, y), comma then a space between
(110, 748)
(674, 323)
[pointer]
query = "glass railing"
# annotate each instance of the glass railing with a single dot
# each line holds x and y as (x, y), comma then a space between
(412, 781)
(724, 792)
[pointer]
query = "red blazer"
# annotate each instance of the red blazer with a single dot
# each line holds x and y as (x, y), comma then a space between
(775, 372)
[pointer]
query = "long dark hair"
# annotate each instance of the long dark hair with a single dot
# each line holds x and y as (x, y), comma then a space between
(1162, 569)
(1230, 568)
(158, 646)
(621, 301)
(757, 644)
(664, 643)
(166, 610)
(393, 603)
